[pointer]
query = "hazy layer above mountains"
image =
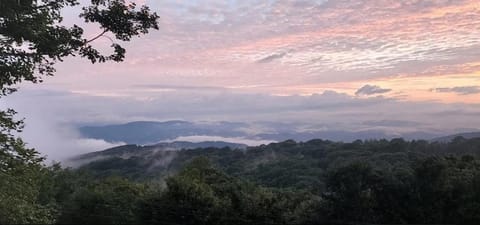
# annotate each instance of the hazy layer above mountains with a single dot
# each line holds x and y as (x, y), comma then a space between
(149, 132)
(53, 118)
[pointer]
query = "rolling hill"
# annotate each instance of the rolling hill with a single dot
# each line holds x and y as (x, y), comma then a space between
(450, 138)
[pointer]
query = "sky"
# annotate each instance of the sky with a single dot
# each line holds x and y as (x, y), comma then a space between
(399, 66)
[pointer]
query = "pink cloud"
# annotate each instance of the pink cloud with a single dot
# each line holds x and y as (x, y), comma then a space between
(290, 45)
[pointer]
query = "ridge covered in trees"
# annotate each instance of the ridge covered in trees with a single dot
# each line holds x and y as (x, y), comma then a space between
(314, 182)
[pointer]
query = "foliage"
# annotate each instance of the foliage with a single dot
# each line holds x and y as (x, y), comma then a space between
(21, 174)
(361, 189)
(109, 201)
(32, 39)
(289, 165)
(201, 194)
(315, 182)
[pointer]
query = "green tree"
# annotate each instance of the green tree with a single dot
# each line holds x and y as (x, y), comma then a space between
(350, 193)
(190, 197)
(109, 201)
(21, 173)
(201, 194)
(32, 40)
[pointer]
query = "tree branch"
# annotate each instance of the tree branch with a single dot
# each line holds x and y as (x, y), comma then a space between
(25, 54)
(96, 37)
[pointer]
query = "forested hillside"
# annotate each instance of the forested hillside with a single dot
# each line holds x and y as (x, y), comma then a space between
(314, 182)
(284, 164)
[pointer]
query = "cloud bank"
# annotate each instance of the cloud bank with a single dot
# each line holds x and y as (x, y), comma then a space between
(52, 116)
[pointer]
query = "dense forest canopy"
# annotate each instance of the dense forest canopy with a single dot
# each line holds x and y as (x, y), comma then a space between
(297, 162)
(314, 182)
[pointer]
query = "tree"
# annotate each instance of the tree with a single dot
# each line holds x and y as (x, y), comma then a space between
(191, 197)
(20, 174)
(201, 194)
(32, 40)
(350, 193)
(108, 201)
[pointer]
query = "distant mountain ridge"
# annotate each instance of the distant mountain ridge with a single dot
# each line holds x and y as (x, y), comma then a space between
(125, 150)
(449, 138)
(179, 145)
(150, 132)
(203, 144)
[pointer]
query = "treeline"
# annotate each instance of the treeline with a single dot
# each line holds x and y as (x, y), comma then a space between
(315, 182)
(287, 165)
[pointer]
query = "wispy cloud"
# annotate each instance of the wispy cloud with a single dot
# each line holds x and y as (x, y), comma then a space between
(465, 90)
(271, 57)
(371, 90)
(291, 44)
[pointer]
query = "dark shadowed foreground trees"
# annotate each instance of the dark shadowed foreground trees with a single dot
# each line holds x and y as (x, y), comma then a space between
(359, 189)
(435, 190)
